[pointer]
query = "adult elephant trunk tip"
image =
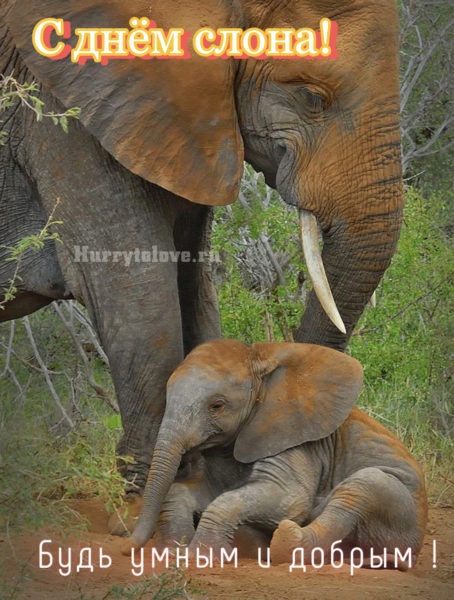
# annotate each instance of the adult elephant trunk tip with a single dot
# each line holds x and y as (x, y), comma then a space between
(314, 262)
(130, 545)
(140, 536)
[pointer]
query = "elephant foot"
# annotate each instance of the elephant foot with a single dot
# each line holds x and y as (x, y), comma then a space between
(248, 540)
(286, 538)
(123, 520)
(218, 551)
(179, 539)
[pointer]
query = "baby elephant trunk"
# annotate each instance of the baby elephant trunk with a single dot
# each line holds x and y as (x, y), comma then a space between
(164, 466)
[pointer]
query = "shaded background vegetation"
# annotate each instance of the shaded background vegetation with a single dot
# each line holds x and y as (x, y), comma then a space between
(58, 418)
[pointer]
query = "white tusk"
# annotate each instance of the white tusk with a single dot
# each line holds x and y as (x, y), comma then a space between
(373, 300)
(313, 258)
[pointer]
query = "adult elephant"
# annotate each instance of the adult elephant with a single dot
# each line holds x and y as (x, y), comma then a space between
(159, 142)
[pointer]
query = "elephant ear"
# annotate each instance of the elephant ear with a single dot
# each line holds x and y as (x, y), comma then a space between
(305, 393)
(171, 121)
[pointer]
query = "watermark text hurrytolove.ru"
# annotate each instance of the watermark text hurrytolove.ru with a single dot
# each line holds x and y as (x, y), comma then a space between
(85, 254)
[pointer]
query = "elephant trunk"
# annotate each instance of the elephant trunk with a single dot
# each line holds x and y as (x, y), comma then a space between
(356, 253)
(351, 186)
(164, 466)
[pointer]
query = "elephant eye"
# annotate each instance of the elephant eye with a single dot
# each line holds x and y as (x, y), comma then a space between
(310, 97)
(316, 102)
(216, 404)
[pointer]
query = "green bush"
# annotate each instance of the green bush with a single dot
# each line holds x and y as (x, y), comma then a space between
(39, 468)
(406, 344)
(252, 308)
(41, 459)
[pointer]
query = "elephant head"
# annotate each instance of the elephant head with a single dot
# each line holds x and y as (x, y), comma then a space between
(258, 400)
(324, 132)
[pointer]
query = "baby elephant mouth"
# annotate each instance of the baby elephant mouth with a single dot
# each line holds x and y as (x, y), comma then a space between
(215, 440)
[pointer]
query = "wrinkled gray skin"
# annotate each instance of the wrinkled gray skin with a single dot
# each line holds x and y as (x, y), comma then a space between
(160, 141)
(280, 441)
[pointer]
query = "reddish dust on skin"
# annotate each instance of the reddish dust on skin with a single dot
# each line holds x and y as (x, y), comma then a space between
(19, 558)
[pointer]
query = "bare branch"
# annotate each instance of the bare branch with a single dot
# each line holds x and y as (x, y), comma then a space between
(83, 320)
(273, 259)
(7, 370)
(380, 326)
(421, 60)
(100, 391)
(45, 372)
(427, 85)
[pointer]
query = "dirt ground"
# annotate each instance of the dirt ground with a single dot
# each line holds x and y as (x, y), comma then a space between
(23, 579)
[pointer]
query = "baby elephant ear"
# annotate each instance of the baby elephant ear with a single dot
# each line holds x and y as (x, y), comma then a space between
(305, 393)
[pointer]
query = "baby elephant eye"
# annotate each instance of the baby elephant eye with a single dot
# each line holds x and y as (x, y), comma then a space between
(216, 404)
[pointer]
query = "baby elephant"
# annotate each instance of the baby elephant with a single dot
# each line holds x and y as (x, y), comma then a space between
(281, 447)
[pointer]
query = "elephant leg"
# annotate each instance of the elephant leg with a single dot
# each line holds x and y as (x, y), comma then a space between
(197, 294)
(144, 338)
(259, 504)
(369, 510)
(176, 524)
(119, 259)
